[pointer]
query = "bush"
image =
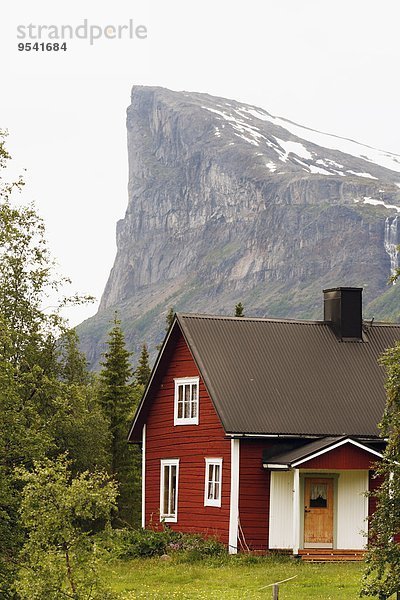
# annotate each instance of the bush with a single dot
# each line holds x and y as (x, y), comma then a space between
(145, 543)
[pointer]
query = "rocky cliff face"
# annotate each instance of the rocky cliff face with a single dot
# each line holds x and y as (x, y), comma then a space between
(228, 203)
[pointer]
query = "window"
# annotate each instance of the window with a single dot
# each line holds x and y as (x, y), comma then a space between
(318, 495)
(186, 407)
(213, 483)
(169, 490)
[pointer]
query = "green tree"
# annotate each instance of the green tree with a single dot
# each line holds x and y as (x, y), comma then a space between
(143, 370)
(382, 574)
(61, 514)
(239, 310)
(45, 404)
(116, 394)
(169, 319)
(79, 425)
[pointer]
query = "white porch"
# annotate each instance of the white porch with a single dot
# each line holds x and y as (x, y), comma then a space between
(289, 508)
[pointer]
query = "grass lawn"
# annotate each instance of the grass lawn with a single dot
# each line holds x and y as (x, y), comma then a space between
(233, 577)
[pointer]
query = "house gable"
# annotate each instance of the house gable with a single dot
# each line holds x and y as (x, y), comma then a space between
(192, 444)
(326, 453)
(346, 456)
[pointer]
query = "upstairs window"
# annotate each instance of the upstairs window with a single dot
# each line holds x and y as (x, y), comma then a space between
(186, 406)
(169, 490)
(213, 483)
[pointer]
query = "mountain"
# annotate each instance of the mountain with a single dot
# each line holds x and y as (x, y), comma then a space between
(229, 203)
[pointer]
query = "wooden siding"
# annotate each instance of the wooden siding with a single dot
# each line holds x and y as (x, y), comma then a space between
(374, 484)
(254, 489)
(352, 510)
(191, 444)
(281, 532)
(345, 457)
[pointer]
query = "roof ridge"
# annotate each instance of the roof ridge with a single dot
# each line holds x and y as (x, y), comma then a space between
(277, 320)
(262, 319)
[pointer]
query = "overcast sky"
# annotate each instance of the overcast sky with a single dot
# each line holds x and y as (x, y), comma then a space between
(329, 65)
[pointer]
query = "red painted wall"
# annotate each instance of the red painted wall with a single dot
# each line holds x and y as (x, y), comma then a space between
(347, 456)
(374, 484)
(254, 493)
(191, 444)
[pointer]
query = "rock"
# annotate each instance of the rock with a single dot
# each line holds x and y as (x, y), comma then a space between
(165, 557)
(227, 204)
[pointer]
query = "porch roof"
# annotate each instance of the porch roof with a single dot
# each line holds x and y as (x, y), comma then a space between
(297, 456)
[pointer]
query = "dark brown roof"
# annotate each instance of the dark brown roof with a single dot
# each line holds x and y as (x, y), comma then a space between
(268, 376)
(307, 451)
(298, 452)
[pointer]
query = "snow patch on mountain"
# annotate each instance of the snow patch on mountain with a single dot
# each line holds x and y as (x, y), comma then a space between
(293, 148)
(368, 175)
(326, 140)
(271, 166)
(375, 202)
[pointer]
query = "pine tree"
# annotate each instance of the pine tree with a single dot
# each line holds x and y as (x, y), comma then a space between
(116, 395)
(239, 310)
(143, 370)
(169, 318)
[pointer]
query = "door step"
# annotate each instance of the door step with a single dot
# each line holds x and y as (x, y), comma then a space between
(329, 555)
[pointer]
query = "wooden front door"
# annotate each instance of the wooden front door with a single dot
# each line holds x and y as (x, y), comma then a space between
(318, 512)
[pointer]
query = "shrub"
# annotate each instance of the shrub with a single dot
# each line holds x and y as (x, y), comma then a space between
(145, 543)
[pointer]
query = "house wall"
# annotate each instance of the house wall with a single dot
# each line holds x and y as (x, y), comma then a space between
(352, 509)
(345, 457)
(374, 484)
(254, 494)
(281, 516)
(191, 444)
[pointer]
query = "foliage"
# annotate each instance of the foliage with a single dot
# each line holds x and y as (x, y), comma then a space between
(60, 515)
(239, 310)
(142, 372)
(145, 543)
(118, 397)
(47, 404)
(169, 319)
(80, 426)
(382, 574)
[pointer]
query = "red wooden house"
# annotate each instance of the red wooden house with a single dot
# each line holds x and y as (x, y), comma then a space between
(263, 432)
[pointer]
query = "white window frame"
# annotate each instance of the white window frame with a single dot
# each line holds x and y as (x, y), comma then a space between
(168, 516)
(213, 462)
(183, 381)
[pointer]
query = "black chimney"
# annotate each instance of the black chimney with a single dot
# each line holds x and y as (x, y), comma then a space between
(343, 309)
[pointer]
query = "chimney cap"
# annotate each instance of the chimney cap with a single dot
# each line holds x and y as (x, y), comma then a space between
(343, 289)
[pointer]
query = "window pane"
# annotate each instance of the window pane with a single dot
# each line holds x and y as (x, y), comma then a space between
(210, 491)
(210, 494)
(165, 507)
(173, 491)
(180, 401)
(216, 491)
(187, 410)
(318, 495)
(194, 401)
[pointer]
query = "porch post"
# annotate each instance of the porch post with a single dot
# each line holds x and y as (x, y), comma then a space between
(296, 511)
